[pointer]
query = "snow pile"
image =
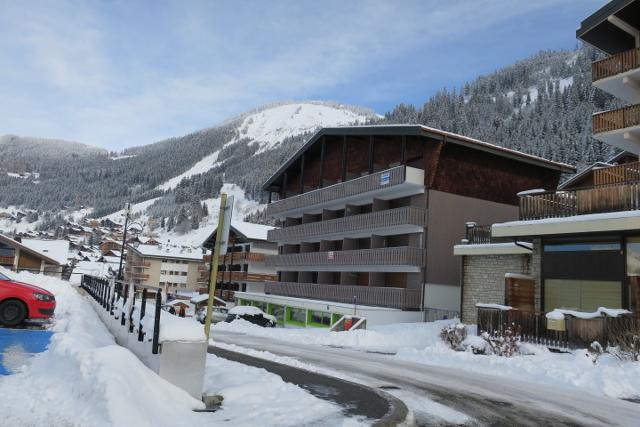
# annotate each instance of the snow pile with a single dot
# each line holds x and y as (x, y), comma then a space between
(494, 306)
(558, 314)
(255, 397)
(84, 378)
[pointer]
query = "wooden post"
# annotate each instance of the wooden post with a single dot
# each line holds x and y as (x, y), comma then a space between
(214, 263)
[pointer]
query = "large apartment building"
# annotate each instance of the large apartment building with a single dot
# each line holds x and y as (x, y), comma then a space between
(175, 269)
(369, 215)
(576, 247)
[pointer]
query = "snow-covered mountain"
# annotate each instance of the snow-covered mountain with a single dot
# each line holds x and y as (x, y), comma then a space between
(169, 178)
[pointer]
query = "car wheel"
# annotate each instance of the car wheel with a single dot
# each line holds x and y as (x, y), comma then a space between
(12, 312)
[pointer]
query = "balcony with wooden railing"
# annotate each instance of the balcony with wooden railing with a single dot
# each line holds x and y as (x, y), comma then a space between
(615, 64)
(617, 119)
(392, 219)
(243, 276)
(7, 260)
(242, 256)
(400, 298)
(617, 197)
(145, 264)
(404, 180)
(626, 172)
(136, 276)
(403, 258)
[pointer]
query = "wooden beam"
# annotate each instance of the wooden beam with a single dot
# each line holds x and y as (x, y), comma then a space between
(322, 151)
(302, 173)
(403, 158)
(371, 154)
(344, 158)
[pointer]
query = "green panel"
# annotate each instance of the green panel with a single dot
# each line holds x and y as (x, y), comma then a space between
(335, 317)
(296, 316)
(278, 311)
(581, 295)
(313, 318)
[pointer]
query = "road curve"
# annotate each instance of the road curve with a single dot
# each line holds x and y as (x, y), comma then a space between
(357, 400)
(490, 400)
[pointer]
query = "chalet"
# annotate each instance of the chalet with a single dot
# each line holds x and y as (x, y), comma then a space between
(37, 256)
(576, 247)
(243, 267)
(369, 215)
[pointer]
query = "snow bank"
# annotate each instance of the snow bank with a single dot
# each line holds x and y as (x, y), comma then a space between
(558, 314)
(255, 397)
(84, 378)
(496, 306)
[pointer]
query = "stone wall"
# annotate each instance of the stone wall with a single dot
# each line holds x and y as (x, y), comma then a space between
(483, 277)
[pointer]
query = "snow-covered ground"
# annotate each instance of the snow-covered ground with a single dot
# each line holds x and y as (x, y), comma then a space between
(207, 163)
(85, 379)
(419, 342)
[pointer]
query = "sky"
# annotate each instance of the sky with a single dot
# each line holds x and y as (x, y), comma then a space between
(119, 73)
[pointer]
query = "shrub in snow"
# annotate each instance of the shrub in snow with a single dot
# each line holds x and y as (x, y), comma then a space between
(454, 335)
(624, 347)
(504, 342)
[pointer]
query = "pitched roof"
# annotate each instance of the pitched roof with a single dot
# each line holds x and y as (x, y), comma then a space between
(421, 130)
(53, 253)
(166, 251)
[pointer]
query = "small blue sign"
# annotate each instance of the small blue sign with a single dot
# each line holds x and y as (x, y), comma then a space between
(18, 345)
(385, 178)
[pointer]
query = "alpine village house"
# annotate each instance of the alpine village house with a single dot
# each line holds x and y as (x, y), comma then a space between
(577, 247)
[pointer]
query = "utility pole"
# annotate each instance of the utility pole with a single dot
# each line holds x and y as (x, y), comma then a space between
(213, 271)
(127, 209)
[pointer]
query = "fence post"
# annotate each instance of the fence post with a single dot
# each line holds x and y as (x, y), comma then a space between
(143, 307)
(112, 283)
(124, 303)
(156, 322)
(132, 307)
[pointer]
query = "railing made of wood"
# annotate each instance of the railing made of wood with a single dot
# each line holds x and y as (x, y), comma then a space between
(628, 172)
(600, 199)
(242, 256)
(352, 187)
(134, 275)
(141, 265)
(615, 64)
(403, 255)
(381, 219)
(400, 298)
(245, 276)
(620, 118)
(7, 260)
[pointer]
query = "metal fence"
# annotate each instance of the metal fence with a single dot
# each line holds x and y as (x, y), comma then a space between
(112, 296)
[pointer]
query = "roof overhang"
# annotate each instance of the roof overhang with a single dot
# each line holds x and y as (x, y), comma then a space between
(599, 31)
(18, 245)
(418, 130)
(592, 223)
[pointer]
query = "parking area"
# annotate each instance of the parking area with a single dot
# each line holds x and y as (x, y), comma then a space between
(17, 345)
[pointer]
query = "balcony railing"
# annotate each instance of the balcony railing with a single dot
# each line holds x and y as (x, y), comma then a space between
(400, 298)
(615, 64)
(6, 260)
(627, 172)
(141, 265)
(375, 181)
(599, 199)
(243, 276)
(242, 256)
(620, 118)
(375, 220)
(394, 256)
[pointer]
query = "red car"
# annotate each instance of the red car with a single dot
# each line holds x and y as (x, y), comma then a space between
(20, 301)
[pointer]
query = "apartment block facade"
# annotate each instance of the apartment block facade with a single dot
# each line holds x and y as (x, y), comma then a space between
(171, 268)
(369, 214)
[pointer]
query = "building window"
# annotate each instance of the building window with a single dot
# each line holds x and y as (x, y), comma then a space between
(582, 247)
(183, 285)
(184, 273)
(163, 271)
(581, 295)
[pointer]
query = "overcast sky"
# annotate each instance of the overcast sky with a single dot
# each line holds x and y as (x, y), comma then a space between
(122, 73)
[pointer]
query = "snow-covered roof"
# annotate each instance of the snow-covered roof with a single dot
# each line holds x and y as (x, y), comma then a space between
(57, 250)
(250, 230)
(166, 251)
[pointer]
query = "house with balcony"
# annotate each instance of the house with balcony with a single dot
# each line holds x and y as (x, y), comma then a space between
(242, 268)
(173, 268)
(48, 257)
(369, 214)
(576, 247)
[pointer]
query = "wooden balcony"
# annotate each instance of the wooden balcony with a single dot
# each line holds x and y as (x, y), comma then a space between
(401, 181)
(617, 119)
(7, 260)
(399, 259)
(243, 276)
(394, 220)
(242, 256)
(615, 64)
(140, 265)
(599, 199)
(137, 276)
(628, 172)
(400, 298)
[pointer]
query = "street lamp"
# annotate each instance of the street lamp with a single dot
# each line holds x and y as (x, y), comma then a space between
(136, 228)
